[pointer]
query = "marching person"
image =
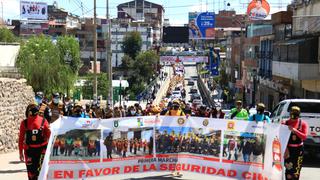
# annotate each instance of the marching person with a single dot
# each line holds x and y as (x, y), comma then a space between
(44, 110)
(260, 116)
(33, 139)
(56, 106)
(239, 112)
(295, 150)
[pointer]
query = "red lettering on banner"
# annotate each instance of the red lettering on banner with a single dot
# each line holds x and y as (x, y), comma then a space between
(163, 167)
(195, 168)
(81, 173)
(136, 168)
(89, 173)
(232, 173)
(178, 167)
(127, 169)
(211, 170)
(253, 176)
(246, 175)
(116, 170)
(63, 174)
(203, 169)
(221, 172)
(172, 167)
(106, 171)
(97, 172)
(151, 168)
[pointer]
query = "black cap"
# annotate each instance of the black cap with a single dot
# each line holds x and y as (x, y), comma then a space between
(55, 95)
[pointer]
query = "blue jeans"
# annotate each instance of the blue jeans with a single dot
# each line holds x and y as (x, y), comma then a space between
(246, 157)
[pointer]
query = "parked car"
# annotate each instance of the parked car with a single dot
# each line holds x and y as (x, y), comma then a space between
(195, 96)
(190, 83)
(193, 90)
(176, 94)
(310, 112)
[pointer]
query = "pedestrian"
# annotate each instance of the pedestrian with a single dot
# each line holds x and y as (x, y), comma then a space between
(55, 147)
(97, 145)
(108, 143)
(295, 149)
(62, 145)
(56, 106)
(246, 148)
(260, 116)
(33, 140)
(258, 150)
(239, 112)
(150, 145)
(232, 148)
(69, 146)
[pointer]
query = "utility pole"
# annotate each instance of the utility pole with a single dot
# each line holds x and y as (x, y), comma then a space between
(94, 31)
(109, 59)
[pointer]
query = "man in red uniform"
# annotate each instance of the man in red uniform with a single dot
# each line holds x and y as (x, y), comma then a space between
(33, 140)
(294, 152)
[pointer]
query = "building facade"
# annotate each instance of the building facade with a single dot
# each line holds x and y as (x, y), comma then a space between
(143, 14)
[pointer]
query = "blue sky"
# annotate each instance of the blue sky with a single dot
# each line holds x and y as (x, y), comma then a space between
(175, 10)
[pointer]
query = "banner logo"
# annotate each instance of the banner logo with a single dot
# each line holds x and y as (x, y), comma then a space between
(231, 125)
(205, 122)
(116, 123)
(181, 121)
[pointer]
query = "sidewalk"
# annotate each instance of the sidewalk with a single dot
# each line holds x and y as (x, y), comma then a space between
(11, 168)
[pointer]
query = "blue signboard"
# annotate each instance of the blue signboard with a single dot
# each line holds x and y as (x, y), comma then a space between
(214, 62)
(201, 25)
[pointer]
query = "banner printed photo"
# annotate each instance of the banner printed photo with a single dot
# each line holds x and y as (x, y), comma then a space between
(215, 147)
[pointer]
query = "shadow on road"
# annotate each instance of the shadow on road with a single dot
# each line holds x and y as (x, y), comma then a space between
(12, 171)
(15, 162)
(165, 176)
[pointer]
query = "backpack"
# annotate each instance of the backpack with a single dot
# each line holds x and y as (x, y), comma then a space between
(34, 136)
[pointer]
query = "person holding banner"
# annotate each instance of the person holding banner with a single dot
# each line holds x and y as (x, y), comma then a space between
(260, 116)
(33, 140)
(295, 150)
(239, 113)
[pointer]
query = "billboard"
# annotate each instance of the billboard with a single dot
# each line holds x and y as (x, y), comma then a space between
(33, 10)
(175, 34)
(174, 59)
(201, 25)
(258, 9)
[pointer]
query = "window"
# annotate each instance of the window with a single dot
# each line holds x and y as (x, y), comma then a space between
(274, 111)
(306, 107)
(280, 109)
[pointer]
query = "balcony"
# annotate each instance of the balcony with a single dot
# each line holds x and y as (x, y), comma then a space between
(296, 71)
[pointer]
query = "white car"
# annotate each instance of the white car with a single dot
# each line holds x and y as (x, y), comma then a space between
(176, 95)
(310, 112)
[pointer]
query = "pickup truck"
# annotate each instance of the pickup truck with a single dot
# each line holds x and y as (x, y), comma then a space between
(310, 112)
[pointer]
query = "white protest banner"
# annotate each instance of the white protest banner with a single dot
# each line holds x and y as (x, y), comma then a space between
(173, 59)
(89, 148)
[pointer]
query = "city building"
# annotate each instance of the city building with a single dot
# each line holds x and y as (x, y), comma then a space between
(271, 90)
(117, 35)
(142, 13)
(62, 22)
(85, 36)
(250, 64)
(296, 60)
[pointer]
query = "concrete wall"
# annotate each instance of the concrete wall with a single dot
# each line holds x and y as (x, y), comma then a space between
(15, 95)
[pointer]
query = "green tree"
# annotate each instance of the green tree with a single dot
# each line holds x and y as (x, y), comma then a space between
(69, 52)
(103, 86)
(132, 43)
(39, 61)
(7, 36)
(143, 68)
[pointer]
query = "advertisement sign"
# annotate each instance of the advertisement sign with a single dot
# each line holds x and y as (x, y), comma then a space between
(201, 25)
(207, 146)
(174, 59)
(258, 9)
(33, 10)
